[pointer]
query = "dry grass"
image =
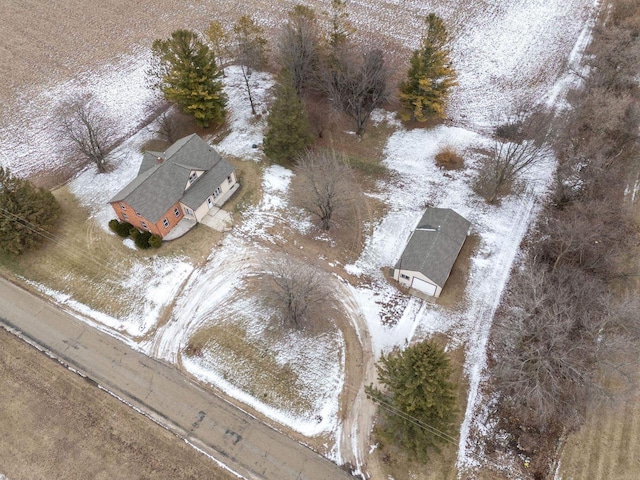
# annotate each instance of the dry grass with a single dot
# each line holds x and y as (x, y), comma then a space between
(249, 363)
(54, 424)
(449, 159)
(249, 176)
(92, 265)
(607, 447)
(454, 289)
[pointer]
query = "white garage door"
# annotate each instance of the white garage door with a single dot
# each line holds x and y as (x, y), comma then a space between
(424, 287)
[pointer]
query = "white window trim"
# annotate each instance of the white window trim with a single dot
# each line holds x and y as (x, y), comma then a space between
(165, 222)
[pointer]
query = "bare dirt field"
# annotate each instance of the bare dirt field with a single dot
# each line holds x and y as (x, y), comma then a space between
(56, 425)
(607, 447)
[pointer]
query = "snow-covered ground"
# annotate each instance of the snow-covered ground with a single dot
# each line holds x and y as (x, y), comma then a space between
(505, 53)
(31, 142)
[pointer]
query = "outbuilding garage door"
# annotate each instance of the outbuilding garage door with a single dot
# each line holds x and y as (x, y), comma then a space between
(424, 287)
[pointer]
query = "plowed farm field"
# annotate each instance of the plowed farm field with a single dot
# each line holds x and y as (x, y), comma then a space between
(607, 447)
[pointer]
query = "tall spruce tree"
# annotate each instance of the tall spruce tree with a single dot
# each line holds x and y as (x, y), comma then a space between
(187, 74)
(430, 77)
(419, 400)
(28, 214)
(288, 131)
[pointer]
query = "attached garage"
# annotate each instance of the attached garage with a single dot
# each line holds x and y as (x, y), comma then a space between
(432, 249)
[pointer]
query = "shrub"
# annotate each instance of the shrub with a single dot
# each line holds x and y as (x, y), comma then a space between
(155, 241)
(134, 233)
(142, 240)
(449, 159)
(123, 229)
(113, 225)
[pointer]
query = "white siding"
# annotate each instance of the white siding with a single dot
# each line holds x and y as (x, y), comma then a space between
(418, 281)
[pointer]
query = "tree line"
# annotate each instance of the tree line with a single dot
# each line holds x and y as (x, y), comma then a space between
(567, 333)
(316, 65)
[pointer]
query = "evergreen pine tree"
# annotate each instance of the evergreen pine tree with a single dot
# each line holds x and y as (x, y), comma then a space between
(424, 94)
(188, 76)
(288, 131)
(419, 398)
(27, 214)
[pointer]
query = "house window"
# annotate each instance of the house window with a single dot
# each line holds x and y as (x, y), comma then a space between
(188, 211)
(165, 222)
(138, 214)
(193, 177)
(176, 211)
(123, 206)
(144, 225)
(217, 192)
(124, 215)
(229, 180)
(405, 277)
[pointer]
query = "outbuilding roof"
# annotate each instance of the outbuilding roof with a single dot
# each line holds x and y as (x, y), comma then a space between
(163, 178)
(435, 244)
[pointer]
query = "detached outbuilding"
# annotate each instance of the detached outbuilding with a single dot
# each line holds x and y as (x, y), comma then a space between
(432, 250)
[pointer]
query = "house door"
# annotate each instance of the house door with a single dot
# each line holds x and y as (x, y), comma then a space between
(209, 202)
(424, 287)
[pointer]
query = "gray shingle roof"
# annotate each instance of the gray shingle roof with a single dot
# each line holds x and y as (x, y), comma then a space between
(435, 244)
(160, 185)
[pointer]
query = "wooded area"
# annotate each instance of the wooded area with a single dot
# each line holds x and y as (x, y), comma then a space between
(567, 333)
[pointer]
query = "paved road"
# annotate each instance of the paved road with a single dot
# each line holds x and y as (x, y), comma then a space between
(246, 445)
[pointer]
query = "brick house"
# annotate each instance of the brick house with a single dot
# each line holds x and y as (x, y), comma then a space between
(185, 182)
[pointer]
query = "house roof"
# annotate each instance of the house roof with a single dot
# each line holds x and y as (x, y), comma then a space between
(163, 176)
(435, 244)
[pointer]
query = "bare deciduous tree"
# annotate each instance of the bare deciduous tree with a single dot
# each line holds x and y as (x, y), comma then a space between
(519, 143)
(591, 234)
(87, 132)
(293, 288)
(219, 40)
(554, 335)
(326, 180)
(167, 127)
(357, 86)
(299, 48)
(249, 50)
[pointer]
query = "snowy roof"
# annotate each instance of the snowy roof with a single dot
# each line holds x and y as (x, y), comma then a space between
(435, 244)
(163, 176)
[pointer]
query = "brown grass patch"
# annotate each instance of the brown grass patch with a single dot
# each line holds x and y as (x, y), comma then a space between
(249, 364)
(249, 175)
(453, 293)
(449, 159)
(91, 265)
